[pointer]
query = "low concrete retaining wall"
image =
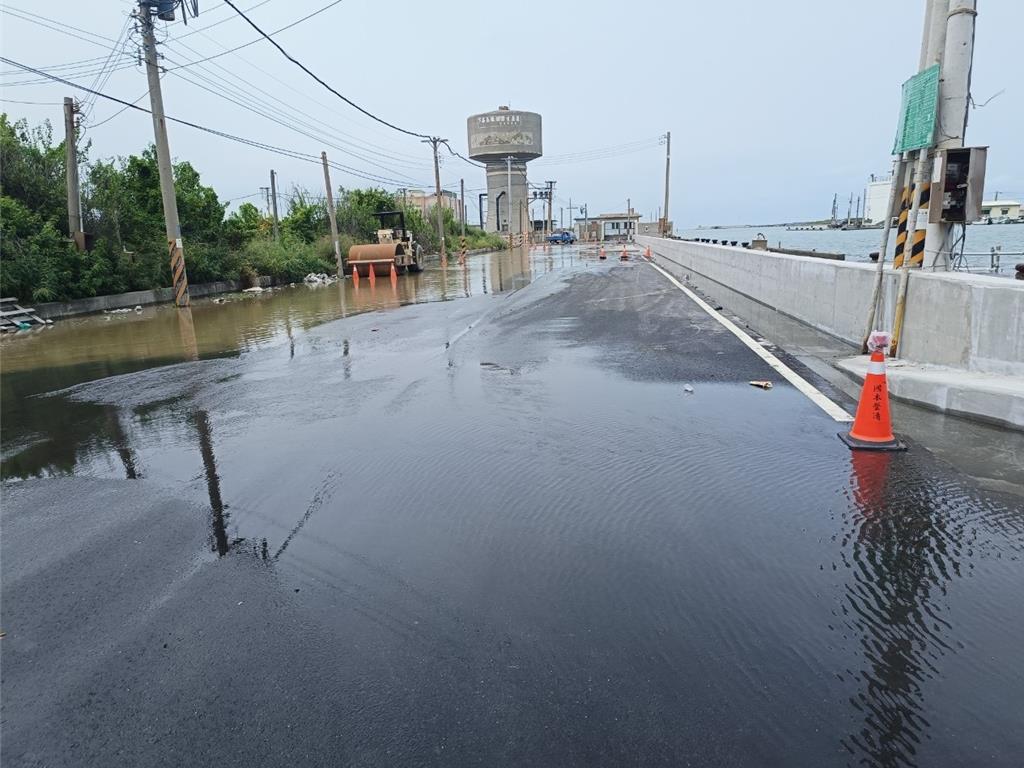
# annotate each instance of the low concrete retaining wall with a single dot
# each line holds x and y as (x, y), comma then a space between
(972, 322)
(54, 310)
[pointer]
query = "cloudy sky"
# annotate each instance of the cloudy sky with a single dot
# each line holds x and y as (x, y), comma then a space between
(773, 107)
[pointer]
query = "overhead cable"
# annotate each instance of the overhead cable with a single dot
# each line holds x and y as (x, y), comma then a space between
(309, 72)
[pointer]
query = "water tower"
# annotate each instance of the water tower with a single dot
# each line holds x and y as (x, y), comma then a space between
(494, 137)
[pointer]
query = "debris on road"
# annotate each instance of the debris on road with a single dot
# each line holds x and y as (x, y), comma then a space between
(687, 389)
(255, 289)
(761, 384)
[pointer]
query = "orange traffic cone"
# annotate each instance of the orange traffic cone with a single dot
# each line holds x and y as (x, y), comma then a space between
(373, 274)
(647, 253)
(394, 272)
(600, 254)
(355, 274)
(872, 426)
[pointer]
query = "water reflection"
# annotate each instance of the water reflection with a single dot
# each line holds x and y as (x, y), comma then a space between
(902, 556)
(219, 518)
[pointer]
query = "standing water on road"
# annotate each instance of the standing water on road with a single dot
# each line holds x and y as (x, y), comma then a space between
(89, 347)
(548, 523)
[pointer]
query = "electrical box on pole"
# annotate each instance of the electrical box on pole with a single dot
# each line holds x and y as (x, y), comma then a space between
(960, 175)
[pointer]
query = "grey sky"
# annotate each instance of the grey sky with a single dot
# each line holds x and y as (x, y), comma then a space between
(773, 107)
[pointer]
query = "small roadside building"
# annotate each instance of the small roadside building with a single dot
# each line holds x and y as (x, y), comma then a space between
(607, 226)
(998, 209)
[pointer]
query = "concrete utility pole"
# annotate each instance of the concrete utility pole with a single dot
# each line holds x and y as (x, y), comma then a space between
(434, 142)
(163, 157)
(935, 18)
(508, 205)
(266, 198)
(951, 124)
(332, 214)
(586, 223)
(71, 161)
(273, 205)
(668, 162)
(462, 204)
(551, 195)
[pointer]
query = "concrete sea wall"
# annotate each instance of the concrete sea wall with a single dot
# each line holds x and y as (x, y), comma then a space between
(955, 319)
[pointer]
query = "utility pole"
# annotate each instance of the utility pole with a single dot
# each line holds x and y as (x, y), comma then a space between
(273, 205)
(332, 215)
(629, 210)
(462, 204)
(480, 208)
(954, 95)
(668, 163)
(163, 157)
(71, 161)
(572, 226)
(508, 204)
(266, 198)
(586, 223)
(434, 142)
(551, 195)
(932, 52)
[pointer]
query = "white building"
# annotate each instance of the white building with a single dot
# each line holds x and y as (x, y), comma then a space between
(998, 209)
(607, 226)
(876, 199)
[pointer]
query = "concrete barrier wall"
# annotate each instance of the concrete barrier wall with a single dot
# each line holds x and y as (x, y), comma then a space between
(53, 310)
(975, 322)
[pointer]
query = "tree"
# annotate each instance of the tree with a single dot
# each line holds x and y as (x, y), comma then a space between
(307, 218)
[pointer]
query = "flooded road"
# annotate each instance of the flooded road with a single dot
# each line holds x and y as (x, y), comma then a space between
(549, 524)
(96, 346)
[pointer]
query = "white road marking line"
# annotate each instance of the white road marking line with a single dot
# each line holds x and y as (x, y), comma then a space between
(813, 393)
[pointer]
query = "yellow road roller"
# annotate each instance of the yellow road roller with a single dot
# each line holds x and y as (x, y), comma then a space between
(394, 247)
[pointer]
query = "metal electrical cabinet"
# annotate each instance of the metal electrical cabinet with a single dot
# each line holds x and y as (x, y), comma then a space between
(960, 176)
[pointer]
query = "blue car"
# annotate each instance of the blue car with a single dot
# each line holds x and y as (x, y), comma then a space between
(562, 237)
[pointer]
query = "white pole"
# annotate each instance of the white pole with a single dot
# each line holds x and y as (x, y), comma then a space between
(951, 122)
(922, 171)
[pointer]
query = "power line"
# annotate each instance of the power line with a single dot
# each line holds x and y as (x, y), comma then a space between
(392, 155)
(34, 103)
(103, 77)
(303, 118)
(268, 116)
(264, 34)
(223, 134)
(305, 69)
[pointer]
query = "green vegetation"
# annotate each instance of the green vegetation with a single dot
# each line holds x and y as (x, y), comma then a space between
(122, 210)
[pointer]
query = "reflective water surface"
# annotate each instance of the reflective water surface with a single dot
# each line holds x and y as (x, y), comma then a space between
(528, 542)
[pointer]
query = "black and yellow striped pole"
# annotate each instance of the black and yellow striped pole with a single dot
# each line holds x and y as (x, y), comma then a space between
(462, 249)
(178, 274)
(916, 227)
(901, 228)
(917, 247)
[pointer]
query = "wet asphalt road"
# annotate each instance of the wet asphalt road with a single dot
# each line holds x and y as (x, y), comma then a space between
(499, 531)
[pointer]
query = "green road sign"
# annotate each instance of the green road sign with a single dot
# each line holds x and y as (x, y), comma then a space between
(917, 111)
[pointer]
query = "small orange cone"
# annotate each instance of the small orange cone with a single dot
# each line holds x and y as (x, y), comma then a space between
(373, 274)
(355, 274)
(600, 254)
(872, 426)
(647, 253)
(624, 256)
(394, 272)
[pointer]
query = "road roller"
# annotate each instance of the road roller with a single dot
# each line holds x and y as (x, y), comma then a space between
(394, 247)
